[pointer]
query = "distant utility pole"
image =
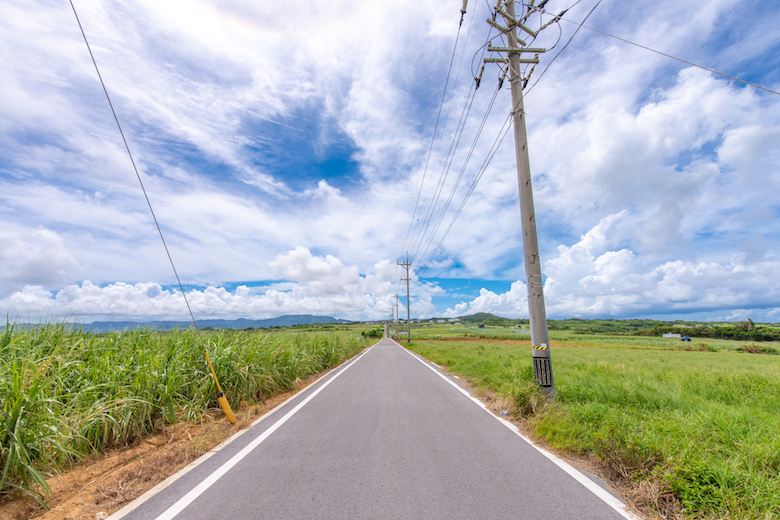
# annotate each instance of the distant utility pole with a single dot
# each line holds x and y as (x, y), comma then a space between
(397, 317)
(406, 265)
(540, 340)
(389, 324)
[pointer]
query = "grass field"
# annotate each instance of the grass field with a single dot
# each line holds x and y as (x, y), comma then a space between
(68, 393)
(569, 337)
(693, 434)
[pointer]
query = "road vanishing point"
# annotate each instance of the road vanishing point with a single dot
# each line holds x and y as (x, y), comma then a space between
(384, 436)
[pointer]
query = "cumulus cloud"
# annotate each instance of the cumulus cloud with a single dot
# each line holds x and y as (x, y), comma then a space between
(36, 257)
(320, 285)
(588, 279)
(513, 303)
(656, 159)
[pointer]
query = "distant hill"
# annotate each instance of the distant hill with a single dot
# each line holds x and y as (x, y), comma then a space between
(241, 323)
(483, 317)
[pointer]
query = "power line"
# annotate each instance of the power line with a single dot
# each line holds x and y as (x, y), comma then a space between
(505, 128)
(580, 25)
(436, 126)
(433, 138)
(674, 57)
(462, 171)
(220, 396)
(420, 242)
(460, 127)
(445, 170)
(496, 143)
(491, 153)
(420, 238)
(480, 172)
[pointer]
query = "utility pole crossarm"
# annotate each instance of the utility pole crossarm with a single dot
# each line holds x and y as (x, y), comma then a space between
(512, 23)
(506, 60)
(514, 49)
(505, 30)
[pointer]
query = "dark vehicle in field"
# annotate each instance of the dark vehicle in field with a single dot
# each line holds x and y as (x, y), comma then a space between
(685, 338)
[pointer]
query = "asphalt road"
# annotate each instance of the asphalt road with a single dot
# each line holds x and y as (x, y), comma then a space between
(387, 438)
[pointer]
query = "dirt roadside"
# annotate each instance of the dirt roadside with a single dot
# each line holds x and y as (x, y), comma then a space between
(103, 484)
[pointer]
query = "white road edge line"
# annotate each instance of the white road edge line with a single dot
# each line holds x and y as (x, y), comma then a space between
(594, 488)
(195, 492)
(132, 506)
(187, 499)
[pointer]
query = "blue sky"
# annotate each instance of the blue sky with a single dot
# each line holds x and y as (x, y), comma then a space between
(284, 145)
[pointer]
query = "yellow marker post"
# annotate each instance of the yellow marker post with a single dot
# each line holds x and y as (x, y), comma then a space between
(223, 402)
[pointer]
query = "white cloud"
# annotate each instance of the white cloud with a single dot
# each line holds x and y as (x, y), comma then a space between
(36, 257)
(616, 158)
(590, 280)
(317, 285)
(513, 303)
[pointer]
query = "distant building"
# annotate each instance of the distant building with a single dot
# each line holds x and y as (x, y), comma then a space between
(672, 335)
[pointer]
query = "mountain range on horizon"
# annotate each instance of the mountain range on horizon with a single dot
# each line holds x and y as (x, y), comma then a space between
(240, 323)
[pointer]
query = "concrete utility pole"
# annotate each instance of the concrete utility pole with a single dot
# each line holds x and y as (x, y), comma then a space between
(540, 340)
(406, 265)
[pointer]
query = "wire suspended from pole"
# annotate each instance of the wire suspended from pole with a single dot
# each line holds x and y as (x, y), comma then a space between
(436, 125)
(673, 57)
(433, 137)
(220, 395)
(462, 172)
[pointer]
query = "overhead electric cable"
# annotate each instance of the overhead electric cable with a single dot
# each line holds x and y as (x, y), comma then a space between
(220, 396)
(438, 115)
(491, 153)
(420, 238)
(674, 57)
(462, 171)
(579, 26)
(436, 126)
(445, 172)
(135, 168)
(450, 154)
(499, 138)
(505, 128)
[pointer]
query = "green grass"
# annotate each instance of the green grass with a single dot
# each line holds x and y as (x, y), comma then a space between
(700, 430)
(578, 338)
(66, 394)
